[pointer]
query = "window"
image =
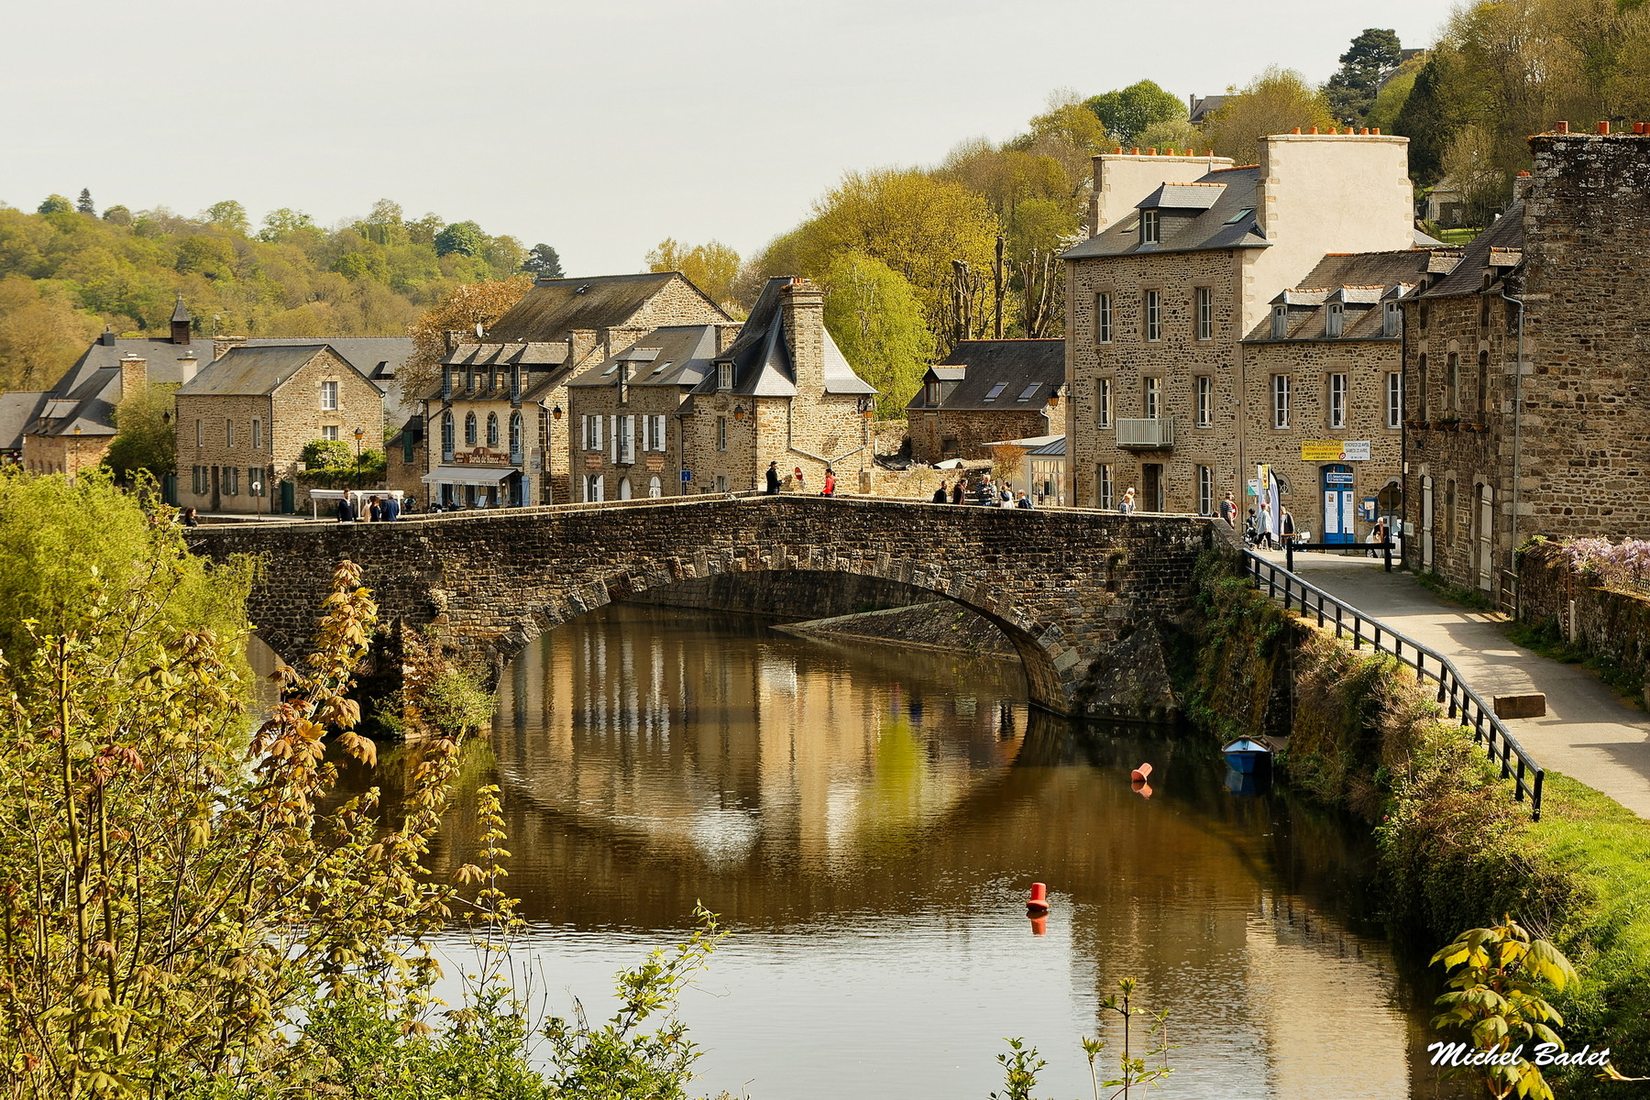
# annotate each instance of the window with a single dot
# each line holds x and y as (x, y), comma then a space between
(330, 432)
(329, 396)
(721, 433)
(1154, 315)
(254, 481)
(200, 435)
(1104, 495)
(409, 445)
(470, 429)
(995, 391)
(1204, 301)
(1483, 386)
(1337, 400)
(1280, 322)
(1394, 400)
(1452, 386)
(1335, 324)
(1026, 394)
(447, 433)
(624, 439)
(1280, 401)
(1205, 490)
(655, 487)
(656, 433)
(1392, 319)
(257, 434)
(1151, 397)
(624, 488)
(724, 376)
(492, 430)
(592, 487)
(1102, 403)
(228, 433)
(1151, 227)
(515, 437)
(592, 434)
(1205, 401)
(933, 398)
(1421, 386)
(1102, 318)
(624, 392)
(1422, 314)
(232, 480)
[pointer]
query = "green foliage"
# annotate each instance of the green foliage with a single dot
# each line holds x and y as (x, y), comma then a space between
(542, 262)
(1021, 1065)
(1129, 112)
(464, 238)
(712, 267)
(335, 464)
(1275, 102)
(84, 204)
(877, 322)
(327, 454)
(1373, 56)
(457, 704)
(144, 437)
(1424, 119)
(1020, 1068)
(55, 204)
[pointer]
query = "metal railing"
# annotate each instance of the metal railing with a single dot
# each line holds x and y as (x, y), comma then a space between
(1462, 701)
(1146, 434)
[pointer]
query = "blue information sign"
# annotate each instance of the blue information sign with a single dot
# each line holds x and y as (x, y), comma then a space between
(687, 476)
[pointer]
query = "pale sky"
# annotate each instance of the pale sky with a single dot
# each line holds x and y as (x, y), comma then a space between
(599, 127)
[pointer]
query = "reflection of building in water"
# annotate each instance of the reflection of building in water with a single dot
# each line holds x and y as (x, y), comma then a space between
(718, 741)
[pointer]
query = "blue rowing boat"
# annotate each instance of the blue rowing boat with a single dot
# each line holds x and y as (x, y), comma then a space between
(1246, 755)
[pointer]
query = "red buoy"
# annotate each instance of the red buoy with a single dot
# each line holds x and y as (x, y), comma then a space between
(1144, 790)
(1039, 925)
(1038, 902)
(1141, 774)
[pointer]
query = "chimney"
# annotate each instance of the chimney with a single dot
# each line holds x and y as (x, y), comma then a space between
(1521, 186)
(134, 374)
(1561, 127)
(107, 337)
(580, 343)
(450, 340)
(726, 333)
(188, 365)
(180, 323)
(802, 308)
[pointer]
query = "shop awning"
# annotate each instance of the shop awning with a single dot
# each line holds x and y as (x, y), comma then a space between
(466, 475)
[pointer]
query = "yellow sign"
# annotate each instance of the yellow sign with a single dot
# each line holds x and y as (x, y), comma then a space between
(1335, 450)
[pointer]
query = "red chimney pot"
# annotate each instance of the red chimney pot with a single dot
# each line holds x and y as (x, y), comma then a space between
(1562, 126)
(1603, 126)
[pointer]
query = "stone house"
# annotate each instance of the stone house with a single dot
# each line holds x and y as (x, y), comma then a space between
(1323, 393)
(498, 428)
(242, 424)
(1185, 257)
(781, 392)
(1526, 402)
(987, 390)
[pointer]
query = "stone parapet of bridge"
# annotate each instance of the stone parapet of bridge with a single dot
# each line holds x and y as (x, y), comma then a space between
(1084, 596)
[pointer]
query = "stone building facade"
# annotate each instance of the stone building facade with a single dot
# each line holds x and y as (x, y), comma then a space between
(243, 422)
(1527, 412)
(986, 391)
(1184, 259)
(518, 372)
(1323, 392)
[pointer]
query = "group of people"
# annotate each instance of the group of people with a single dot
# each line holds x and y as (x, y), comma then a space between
(982, 492)
(775, 480)
(378, 510)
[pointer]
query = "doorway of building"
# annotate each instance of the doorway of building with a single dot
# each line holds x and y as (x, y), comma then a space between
(1340, 512)
(1426, 523)
(1486, 533)
(1151, 487)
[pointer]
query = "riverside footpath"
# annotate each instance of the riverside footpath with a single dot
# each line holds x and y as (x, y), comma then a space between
(1589, 732)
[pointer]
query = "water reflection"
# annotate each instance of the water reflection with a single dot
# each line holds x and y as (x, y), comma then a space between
(868, 820)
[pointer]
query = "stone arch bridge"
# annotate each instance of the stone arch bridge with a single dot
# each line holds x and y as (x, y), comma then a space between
(1083, 595)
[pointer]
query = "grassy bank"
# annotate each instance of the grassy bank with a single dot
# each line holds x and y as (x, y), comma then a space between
(1455, 850)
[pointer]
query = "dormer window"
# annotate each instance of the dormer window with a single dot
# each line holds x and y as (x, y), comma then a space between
(624, 383)
(933, 398)
(724, 376)
(1151, 227)
(1391, 319)
(1280, 321)
(1335, 324)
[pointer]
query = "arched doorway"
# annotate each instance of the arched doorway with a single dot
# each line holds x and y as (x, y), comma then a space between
(1340, 514)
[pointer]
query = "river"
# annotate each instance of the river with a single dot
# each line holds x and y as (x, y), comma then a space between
(867, 822)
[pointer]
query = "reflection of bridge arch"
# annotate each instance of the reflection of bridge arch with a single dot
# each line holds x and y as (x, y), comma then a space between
(1068, 588)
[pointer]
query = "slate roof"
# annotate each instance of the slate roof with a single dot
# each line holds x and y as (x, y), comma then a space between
(1182, 196)
(17, 411)
(180, 313)
(1467, 277)
(555, 307)
(1226, 222)
(377, 357)
(1053, 448)
(250, 370)
(83, 401)
(762, 364)
(675, 355)
(1016, 365)
(1361, 282)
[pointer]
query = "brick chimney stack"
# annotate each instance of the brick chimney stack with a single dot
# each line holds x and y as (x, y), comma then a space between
(802, 306)
(134, 374)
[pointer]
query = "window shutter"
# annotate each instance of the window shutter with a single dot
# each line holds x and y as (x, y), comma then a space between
(614, 430)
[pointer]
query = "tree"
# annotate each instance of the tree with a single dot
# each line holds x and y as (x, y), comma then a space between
(1393, 95)
(83, 204)
(229, 215)
(542, 262)
(1275, 102)
(877, 322)
(55, 204)
(144, 436)
(117, 215)
(41, 333)
(1469, 165)
(1373, 56)
(1177, 134)
(464, 238)
(460, 311)
(1424, 119)
(1127, 112)
(284, 223)
(712, 267)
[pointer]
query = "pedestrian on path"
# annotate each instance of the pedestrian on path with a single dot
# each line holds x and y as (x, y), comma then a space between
(1128, 501)
(1288, 526)
(1228, 510)
(773, 478)
(346, 513)
(392, 509)
(801, 487)
(958, 490)
(830, 483)
(942, 495)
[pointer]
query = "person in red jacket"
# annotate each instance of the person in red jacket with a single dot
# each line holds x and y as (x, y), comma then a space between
(830, 483)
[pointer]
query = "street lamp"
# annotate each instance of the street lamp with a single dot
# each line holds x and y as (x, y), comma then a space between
(360, 434)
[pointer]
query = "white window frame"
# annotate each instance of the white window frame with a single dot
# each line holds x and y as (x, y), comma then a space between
(329, 396)
(1395, 399)
(228, 432)
(470, 431)
(1151, 397)
(592, 433)
(1152, 309)
(1151, 227)
(1337, 387)
(1205, 310)
(492, 431)
(594, 489)
(655, 487)
(721, 483)
(1102, 403)
(1102, 317)
(724, 376)
(1280, 401)
(1335, 322)
(329, 432)
(1205, 490)
(1205, 400)
(200, 434)
(624, 439)
(721, 433)
(1280, 322)
(1105, 486)
(655, 432)
(1392, 319)
(257, 434)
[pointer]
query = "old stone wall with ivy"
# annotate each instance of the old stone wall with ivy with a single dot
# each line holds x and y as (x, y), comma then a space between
(1608, 624)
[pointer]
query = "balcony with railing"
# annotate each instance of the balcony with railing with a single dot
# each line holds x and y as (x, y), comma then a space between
(1146, 434)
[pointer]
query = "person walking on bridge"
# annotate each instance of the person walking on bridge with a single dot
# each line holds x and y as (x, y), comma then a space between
(942, 495)
(773, 478)
(1228, 510)
(959, 490)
